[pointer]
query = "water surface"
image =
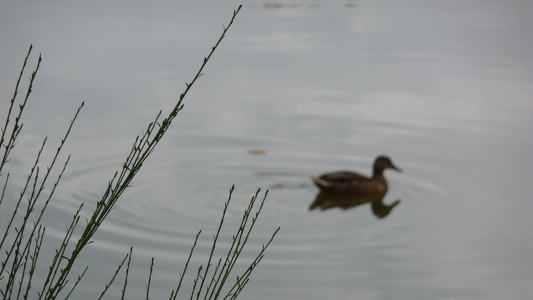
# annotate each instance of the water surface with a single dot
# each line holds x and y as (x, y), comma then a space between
(442, 87)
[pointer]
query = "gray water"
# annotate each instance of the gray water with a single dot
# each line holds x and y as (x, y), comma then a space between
(442, 87)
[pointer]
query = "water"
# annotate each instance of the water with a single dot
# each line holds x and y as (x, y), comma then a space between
(444, 88)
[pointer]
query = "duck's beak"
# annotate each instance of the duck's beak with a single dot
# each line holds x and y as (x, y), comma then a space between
(395, 168)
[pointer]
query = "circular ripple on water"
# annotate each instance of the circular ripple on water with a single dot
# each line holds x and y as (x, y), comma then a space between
(161, 211)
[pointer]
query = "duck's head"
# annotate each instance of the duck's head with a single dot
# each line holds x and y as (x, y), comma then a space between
(382, 163)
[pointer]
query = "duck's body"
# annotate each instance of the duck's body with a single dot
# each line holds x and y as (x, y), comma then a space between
(346, 182)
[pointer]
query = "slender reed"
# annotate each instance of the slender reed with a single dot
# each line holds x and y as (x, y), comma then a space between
(149, 279)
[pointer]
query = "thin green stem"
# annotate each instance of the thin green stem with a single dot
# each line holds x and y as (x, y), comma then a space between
(149, 280)
(127, 274)
(215, 239)
(128, 256)
(78, 280)
(34, 258)
(16, 128)
(174, 293)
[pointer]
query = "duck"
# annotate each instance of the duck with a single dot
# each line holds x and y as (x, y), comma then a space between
(347, 182)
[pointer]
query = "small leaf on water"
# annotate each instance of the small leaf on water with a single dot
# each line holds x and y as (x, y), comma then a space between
(257, 152)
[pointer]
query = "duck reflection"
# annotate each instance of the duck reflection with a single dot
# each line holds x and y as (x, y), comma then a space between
(327, 200)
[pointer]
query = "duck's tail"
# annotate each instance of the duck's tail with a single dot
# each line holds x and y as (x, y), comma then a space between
(320, 183)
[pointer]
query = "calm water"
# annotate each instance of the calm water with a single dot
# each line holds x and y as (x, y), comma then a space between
(443, 87)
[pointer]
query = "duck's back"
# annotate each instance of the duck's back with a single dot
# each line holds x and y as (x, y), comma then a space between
(350, 183)
(343, 177)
